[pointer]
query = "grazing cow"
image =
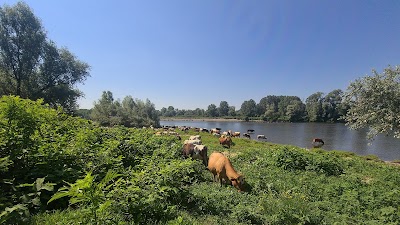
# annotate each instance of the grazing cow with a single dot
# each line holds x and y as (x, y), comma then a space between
(261, 136)
(236, 134)
(196, 152)
(222, 169)
(226, 133)
(250, 131)
(195, 142)
(195, 137)
(246, 135)
(185, 129)
(317, 142)
(200, 152)
(225, 141)
(215, 131)
(204, 130)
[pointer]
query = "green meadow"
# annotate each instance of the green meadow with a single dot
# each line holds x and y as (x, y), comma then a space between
(58, 169)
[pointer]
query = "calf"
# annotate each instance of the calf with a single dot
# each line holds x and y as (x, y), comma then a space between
(222, 169)
(246, 135)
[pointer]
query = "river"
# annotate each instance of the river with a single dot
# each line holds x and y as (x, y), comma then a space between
(335, 136)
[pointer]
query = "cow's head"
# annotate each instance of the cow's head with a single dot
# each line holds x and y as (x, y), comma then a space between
(238, 183)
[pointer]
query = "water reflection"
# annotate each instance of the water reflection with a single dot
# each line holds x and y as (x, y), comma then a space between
(335, 136)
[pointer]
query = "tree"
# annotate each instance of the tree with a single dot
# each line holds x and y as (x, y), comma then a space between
(331, 106)
(374, 103)
(170, 111)
(212, 111)
(105, 111)
(314, 107)
(223, 108)
(232, 111)
(248, 108)
(295, 111)
(31, 65)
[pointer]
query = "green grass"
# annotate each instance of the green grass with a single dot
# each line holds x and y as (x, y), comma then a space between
(285, 184)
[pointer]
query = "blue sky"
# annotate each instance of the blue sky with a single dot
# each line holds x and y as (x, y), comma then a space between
(190, 54)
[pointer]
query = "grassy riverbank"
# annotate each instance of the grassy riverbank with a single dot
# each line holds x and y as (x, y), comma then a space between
(286, 185)
(131, 176)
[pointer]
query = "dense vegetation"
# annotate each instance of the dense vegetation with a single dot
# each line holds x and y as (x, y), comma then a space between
(128, 113)
(55, 168)
(374, 103)
(317, 108)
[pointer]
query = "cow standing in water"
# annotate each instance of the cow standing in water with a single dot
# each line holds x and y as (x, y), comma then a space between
(317, 143)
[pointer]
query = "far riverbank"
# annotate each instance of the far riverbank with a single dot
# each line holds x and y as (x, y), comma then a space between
(206, 119)
(201, 119)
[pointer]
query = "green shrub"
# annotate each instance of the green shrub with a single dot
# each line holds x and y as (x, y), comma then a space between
(295, 159)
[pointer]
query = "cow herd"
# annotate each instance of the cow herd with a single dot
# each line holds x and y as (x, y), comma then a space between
(218, 164)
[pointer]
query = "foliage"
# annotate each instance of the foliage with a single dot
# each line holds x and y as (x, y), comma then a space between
(90, 193)
(31, 66)
(374, 103)
(129, 113)
(318, 108)
(212, 111)
(137, 177)
(248, 108)
(314, 107)
(223, 108)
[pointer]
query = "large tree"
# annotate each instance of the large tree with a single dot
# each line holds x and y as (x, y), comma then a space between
(223, 108)
(374, 103)
(31, 65)
(314, 107)
(212, 110)
(248, 108)
(332, 105)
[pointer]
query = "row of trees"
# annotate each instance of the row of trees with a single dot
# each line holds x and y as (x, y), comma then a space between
(317, 108)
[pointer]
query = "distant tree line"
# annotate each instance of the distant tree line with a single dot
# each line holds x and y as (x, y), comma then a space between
(317, 108)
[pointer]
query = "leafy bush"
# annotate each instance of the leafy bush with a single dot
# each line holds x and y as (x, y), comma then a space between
(291, 159)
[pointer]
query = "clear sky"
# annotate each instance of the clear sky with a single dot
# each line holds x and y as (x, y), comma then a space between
(190, 54)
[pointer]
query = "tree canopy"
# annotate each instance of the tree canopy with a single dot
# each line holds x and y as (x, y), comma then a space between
(130, 112)
(31, 65)
(374, 103)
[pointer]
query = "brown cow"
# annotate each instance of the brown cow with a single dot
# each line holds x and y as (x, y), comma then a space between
(222, 169)
(195, 151)
(317, 142)
(225, 141)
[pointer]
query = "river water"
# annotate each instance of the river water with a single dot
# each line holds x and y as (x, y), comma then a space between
(335, 136)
